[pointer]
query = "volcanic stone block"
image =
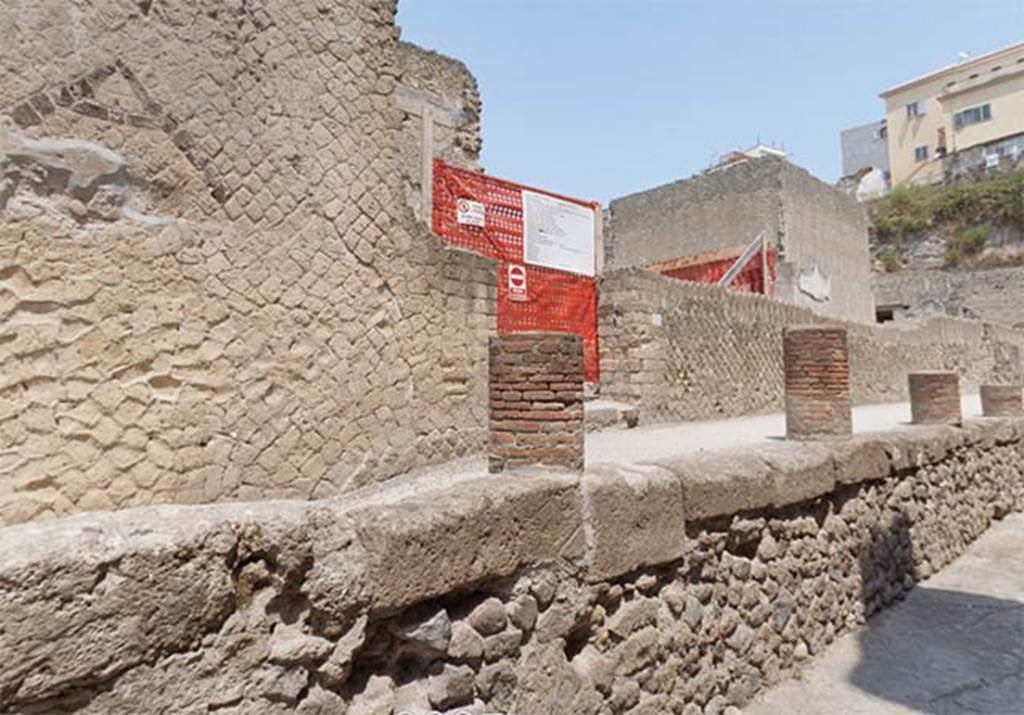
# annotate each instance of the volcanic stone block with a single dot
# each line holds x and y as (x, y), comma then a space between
(637, 518)
(935, 397)
(817, 372)
(536, 404)
(1002, 400)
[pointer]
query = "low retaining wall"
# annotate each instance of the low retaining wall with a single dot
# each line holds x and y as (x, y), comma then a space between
(679, 585)
(683, 351)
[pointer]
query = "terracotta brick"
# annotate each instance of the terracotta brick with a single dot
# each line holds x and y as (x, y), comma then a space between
(532, 421)
(1002, 400)
(935, 397)
(817, 383)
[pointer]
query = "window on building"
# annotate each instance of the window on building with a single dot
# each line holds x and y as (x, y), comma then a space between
(974, 115)
(914, 109)
(921, 153)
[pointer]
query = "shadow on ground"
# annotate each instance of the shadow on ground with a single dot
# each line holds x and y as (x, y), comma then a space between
(946, 652)
(943, 651)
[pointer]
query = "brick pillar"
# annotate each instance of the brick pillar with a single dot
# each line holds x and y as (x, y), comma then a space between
(536, 409)
(935, 398)
(1002, 401)
(817, 371)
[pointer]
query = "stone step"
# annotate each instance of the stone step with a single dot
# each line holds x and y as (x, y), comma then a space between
(601, 414)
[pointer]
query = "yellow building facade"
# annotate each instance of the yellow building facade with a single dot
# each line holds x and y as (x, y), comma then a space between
(976, 103)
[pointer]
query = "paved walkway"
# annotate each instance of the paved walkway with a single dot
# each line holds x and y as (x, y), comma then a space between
(954, 647)
(647, 443)
(657, 441)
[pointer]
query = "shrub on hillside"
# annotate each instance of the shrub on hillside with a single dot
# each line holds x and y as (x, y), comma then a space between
(910, 210)
(966, 242)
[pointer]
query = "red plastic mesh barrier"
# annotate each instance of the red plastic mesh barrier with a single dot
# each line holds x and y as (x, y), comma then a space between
(554, 300)
(502, 234)
(557, 301)
(749, 280)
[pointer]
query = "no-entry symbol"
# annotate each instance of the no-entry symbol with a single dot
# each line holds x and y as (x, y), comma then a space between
(516, 282)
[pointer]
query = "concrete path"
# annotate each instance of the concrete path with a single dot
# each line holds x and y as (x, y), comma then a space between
(657, 441)
(645, 443)
(954, 647)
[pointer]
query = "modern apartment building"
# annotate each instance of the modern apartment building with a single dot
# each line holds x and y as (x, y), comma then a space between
(959, 119)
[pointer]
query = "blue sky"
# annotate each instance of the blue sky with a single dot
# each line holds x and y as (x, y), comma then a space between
(601, 98)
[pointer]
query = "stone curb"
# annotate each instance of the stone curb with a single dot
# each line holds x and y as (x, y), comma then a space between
(88, 597)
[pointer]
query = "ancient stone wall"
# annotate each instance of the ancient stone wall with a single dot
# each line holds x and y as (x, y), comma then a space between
(210, 284)
(821, 233)
(993, 295)
(825, 234)
(443, 92)
(685, 351)
(715, 210)
(677, 585)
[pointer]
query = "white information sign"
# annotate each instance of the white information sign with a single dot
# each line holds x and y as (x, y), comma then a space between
(470, 213)
(558, 234)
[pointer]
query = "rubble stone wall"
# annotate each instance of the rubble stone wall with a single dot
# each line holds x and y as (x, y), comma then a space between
(679, 585)
(210, 285)
(992, 294)
(685, 351)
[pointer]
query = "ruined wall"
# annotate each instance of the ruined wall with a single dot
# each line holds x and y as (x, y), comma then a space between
(993, 295)
(443, 89)
(715, 210)
(825, 232)
(679, 585)
(682, 351)
(210, 285)
(821, 233)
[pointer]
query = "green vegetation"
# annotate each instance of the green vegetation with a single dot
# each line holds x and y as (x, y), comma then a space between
(972, 239)
(891, 262)
(911, 210)
(966, 242)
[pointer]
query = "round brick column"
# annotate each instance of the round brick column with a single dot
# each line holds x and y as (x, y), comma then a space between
(1002, 400)
(536, 405)
(817, 370)
(935, 398)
